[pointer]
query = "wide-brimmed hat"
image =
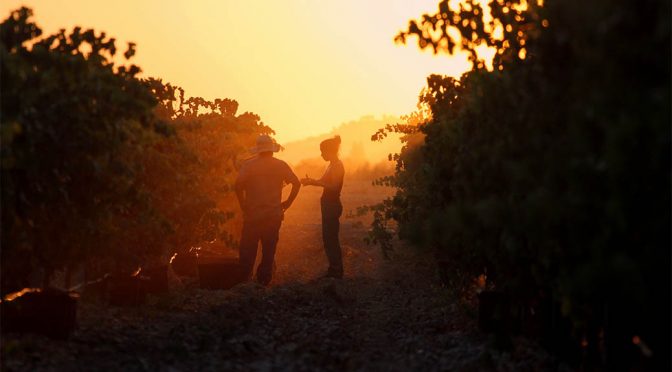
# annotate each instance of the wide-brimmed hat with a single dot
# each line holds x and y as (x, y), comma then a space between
(265, 144)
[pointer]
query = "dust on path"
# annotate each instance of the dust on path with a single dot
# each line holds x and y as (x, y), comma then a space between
(383, 316)
(300, 255)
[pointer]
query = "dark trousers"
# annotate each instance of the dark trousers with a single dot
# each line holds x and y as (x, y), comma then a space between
(266, 230)
(331, 211)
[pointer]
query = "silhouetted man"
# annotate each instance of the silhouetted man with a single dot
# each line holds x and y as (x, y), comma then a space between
(259, 191)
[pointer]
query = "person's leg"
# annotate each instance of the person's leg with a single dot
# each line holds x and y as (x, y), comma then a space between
(330, 228)
(269, 241)
(249, 242)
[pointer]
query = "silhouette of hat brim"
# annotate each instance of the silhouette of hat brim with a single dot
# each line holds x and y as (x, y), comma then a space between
(265, 147)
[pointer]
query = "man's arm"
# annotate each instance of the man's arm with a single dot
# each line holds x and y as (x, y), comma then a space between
(296, 185)
(291, 178)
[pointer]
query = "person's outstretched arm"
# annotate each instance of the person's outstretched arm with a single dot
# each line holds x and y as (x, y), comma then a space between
(322, 182)
(330, 179)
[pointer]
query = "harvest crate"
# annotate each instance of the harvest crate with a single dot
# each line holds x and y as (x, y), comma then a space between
(127, 290)
(219, 273)
(185, 264)
(156, 279)
(50, 312)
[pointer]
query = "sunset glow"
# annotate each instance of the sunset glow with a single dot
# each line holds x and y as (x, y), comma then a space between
(304, 67)
(374, 185)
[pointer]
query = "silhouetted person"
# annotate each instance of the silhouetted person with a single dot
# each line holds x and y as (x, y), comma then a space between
(259, 191)
(332, 182)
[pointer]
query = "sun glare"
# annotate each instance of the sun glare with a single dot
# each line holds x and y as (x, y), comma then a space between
(304, 67)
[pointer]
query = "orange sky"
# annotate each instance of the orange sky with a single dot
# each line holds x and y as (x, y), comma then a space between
(303, 66)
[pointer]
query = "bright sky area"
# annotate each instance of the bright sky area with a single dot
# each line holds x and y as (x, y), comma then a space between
(303, 66)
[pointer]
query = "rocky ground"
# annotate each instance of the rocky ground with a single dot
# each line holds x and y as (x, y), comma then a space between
(384, 315)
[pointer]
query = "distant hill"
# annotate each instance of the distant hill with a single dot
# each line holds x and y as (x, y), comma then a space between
(356, 145)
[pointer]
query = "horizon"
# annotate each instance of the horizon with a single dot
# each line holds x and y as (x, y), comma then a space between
(356, 146)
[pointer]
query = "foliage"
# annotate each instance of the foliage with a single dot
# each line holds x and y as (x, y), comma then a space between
(69, 116)
(190, 175)
(100, 167)
(552, 172)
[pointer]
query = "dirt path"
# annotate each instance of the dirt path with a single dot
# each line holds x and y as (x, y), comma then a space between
(385, 315)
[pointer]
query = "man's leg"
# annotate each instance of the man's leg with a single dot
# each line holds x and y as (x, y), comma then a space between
(249, 242)
(332, 247)
(269, 241)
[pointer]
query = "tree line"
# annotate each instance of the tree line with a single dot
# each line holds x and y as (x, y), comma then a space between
(104, 171)
(549, 173)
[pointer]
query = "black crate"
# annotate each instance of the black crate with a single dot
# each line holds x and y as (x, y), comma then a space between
(220, 273)
(50, 312)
